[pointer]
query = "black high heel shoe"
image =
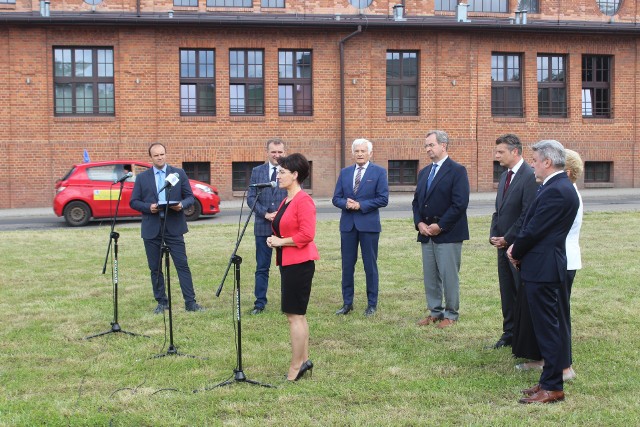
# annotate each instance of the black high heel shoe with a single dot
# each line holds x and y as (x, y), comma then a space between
(306, 366)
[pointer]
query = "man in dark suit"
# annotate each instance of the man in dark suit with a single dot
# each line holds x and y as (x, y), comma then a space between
(516, 190)
(440, 216)
(539, 252)
(266, 206)
(147, 198)
(361, 190)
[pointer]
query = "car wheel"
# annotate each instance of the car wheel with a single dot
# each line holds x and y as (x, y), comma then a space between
(193, 212)
(77, 214)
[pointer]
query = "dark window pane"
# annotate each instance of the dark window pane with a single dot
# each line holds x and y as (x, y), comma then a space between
(598, 171)
(402, 83)
(83, 81)
(200, 171)
(596, 86)
(241, 174)
(197, 82)
(403, 172)
(506, 87)
(294, 82)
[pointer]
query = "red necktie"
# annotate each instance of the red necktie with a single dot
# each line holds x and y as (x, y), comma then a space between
(508, 182)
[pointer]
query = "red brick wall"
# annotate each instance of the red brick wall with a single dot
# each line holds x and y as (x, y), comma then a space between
(455, 81)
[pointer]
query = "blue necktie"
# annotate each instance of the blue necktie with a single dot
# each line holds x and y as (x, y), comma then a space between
(159, 183)
(432, 174)
(273, 174)
(540, 188)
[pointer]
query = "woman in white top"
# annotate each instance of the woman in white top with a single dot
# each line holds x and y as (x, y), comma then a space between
(574, 168)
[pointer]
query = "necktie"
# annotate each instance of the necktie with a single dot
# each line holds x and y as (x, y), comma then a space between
(508, 182)
(274, 173)
(540, 188)
(432, 174)
(356, 184)
(159, 183)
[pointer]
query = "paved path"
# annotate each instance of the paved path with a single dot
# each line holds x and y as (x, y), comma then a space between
(595, 200)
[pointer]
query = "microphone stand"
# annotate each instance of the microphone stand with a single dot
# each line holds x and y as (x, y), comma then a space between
(238, 373)
(113, 238)
(164, 252)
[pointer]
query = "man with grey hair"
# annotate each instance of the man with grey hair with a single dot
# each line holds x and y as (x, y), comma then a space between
(539, 252)
(361, 190)
(440, 216)
(516, 190)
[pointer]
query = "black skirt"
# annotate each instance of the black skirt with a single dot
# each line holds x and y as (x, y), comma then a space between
(524, 344)
(296, 286)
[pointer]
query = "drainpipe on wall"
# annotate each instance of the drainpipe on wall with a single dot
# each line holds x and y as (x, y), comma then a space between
(342, 103)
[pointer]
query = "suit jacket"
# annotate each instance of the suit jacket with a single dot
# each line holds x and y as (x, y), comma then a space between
(540, 245)
(512, 208)
(145, 194)
(268, 201)
(299, 223)
(373, 193)
(445, 203)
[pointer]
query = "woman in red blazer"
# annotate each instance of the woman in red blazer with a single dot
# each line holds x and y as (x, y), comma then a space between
(294, 228)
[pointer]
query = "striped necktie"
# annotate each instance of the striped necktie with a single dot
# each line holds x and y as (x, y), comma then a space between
(356, 184)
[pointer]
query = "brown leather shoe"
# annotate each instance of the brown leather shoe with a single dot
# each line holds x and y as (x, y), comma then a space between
(429, 320)
(544, 396)
(446, 323)
(532, 390)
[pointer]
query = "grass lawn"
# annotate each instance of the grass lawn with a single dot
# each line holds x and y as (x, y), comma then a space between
(375, 371)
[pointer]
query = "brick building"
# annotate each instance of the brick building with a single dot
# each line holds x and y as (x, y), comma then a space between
(214, 79)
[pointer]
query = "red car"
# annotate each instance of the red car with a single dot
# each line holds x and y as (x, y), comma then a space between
(88, 191)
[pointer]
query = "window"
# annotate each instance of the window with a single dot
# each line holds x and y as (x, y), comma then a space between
(241, 174)
(183, 3)
(597, 171)
(506, 86)
(552, 86)
(402, 83)
(108, 173)
(200, 171)
(197, 83)
(497, 171)
(272, 3)
(294, 83)
(531, 6)
(7, 1)
(360, 4)
(246, 82)
(83, 81)
(596, 90)
(500, 6)
(403, 172)
(609, 7)
(229, 3)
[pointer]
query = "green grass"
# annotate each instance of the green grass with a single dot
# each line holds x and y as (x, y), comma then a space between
(379, 371)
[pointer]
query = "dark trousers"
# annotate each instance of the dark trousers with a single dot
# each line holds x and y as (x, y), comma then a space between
(544, 308)
(179, 256)
(368, 242)
(509, 279)
(263, 264)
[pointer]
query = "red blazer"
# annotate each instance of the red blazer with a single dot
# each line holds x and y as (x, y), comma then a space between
(299, 223)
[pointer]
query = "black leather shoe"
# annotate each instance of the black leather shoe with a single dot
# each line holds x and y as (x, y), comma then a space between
(257, 310)
(306, 366)
(160, 308)
(346, 309)
(502, 342)
(194, 307)
(370, 311)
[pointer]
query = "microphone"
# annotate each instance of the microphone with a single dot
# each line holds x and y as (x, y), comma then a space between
(170, 181)
(264, 185)
(123, 178)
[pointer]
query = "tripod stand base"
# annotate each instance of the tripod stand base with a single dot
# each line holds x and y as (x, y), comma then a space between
(238, 377)
(115, 327)
(173, 351)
